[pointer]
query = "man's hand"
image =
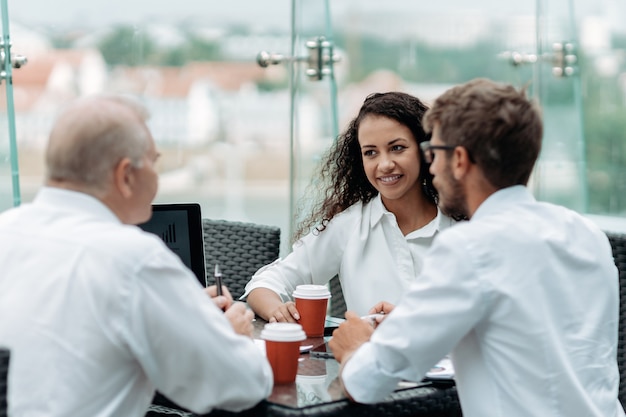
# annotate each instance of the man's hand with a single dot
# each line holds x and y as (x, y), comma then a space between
(240, 318)
(349, 336)
(379, 312)
(223, 302)
(382, 307)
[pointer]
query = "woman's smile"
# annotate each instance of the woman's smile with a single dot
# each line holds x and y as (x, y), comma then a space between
(390, 179)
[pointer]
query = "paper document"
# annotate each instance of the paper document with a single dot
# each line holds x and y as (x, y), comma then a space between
(442, 370)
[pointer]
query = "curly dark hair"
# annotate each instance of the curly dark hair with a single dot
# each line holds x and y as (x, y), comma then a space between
(341, 181)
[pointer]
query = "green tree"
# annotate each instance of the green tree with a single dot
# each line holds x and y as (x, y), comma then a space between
(199, 49)
(126, 45)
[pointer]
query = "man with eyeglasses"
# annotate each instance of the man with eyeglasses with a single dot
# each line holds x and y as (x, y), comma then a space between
(525, 294)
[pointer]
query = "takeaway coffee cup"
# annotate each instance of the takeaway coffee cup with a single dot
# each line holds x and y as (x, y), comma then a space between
(311, 302)
(282, 347)
(312, 388)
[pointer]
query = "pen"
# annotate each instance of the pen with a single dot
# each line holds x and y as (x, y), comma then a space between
(373, 318)
(218, 279)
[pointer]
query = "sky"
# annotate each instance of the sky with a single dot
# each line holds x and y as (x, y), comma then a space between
(276, 13)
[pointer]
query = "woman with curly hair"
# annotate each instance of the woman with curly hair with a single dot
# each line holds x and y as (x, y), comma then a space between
(376, 216)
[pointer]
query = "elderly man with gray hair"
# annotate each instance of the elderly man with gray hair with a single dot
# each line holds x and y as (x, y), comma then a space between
(97, 313)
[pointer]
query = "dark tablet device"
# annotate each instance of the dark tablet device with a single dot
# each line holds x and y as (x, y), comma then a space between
(328, 331)
(179, 225)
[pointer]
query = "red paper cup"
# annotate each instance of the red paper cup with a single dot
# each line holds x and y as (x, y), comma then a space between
(282, 347)
(312, 302)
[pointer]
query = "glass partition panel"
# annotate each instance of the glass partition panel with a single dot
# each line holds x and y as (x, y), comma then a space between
(560, 175)
(221, 122)
(602, 57)
(314, 114)
(9, 170)
(239, 139)
(568, 53)
(243, 140)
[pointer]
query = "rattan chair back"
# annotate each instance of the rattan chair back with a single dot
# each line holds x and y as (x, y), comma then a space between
(5, 355)
(240, 249)
(618, 244)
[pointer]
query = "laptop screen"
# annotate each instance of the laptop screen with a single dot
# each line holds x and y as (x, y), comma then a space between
(179, 225)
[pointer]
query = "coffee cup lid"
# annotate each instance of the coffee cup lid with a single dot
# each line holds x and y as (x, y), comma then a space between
(311, 379)
(313, 292)
(283, 332)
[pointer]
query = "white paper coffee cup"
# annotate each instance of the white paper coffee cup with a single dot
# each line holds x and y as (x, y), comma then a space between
(282, 348)
(283, 332)
(311, 292)
(312, 302)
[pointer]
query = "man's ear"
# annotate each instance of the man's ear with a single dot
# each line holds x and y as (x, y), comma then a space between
(123, 177)
(460, 162)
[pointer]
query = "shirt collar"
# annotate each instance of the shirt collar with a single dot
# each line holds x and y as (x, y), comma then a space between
(378, 209)
(74, 201)
(498, 201)
(440, 222)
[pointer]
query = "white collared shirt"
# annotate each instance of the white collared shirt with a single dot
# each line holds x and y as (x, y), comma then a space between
(525, 295)
(365, 246)
(98, 314)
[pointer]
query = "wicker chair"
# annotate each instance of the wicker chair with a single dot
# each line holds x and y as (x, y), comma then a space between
(337, 302)
(240, 249)
(4, 377)
(618, 244)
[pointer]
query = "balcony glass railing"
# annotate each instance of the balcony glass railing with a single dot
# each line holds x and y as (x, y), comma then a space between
(242, 140)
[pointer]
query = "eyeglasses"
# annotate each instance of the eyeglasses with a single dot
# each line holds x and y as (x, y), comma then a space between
(427, 150)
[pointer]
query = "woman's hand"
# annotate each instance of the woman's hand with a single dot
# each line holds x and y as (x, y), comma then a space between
(267, 304)
(286, 312)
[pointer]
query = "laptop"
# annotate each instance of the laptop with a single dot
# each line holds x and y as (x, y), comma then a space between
(179, 225)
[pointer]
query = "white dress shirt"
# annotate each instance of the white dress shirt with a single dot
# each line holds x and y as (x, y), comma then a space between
(98, 314)
(365, 246)
(525, 295)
